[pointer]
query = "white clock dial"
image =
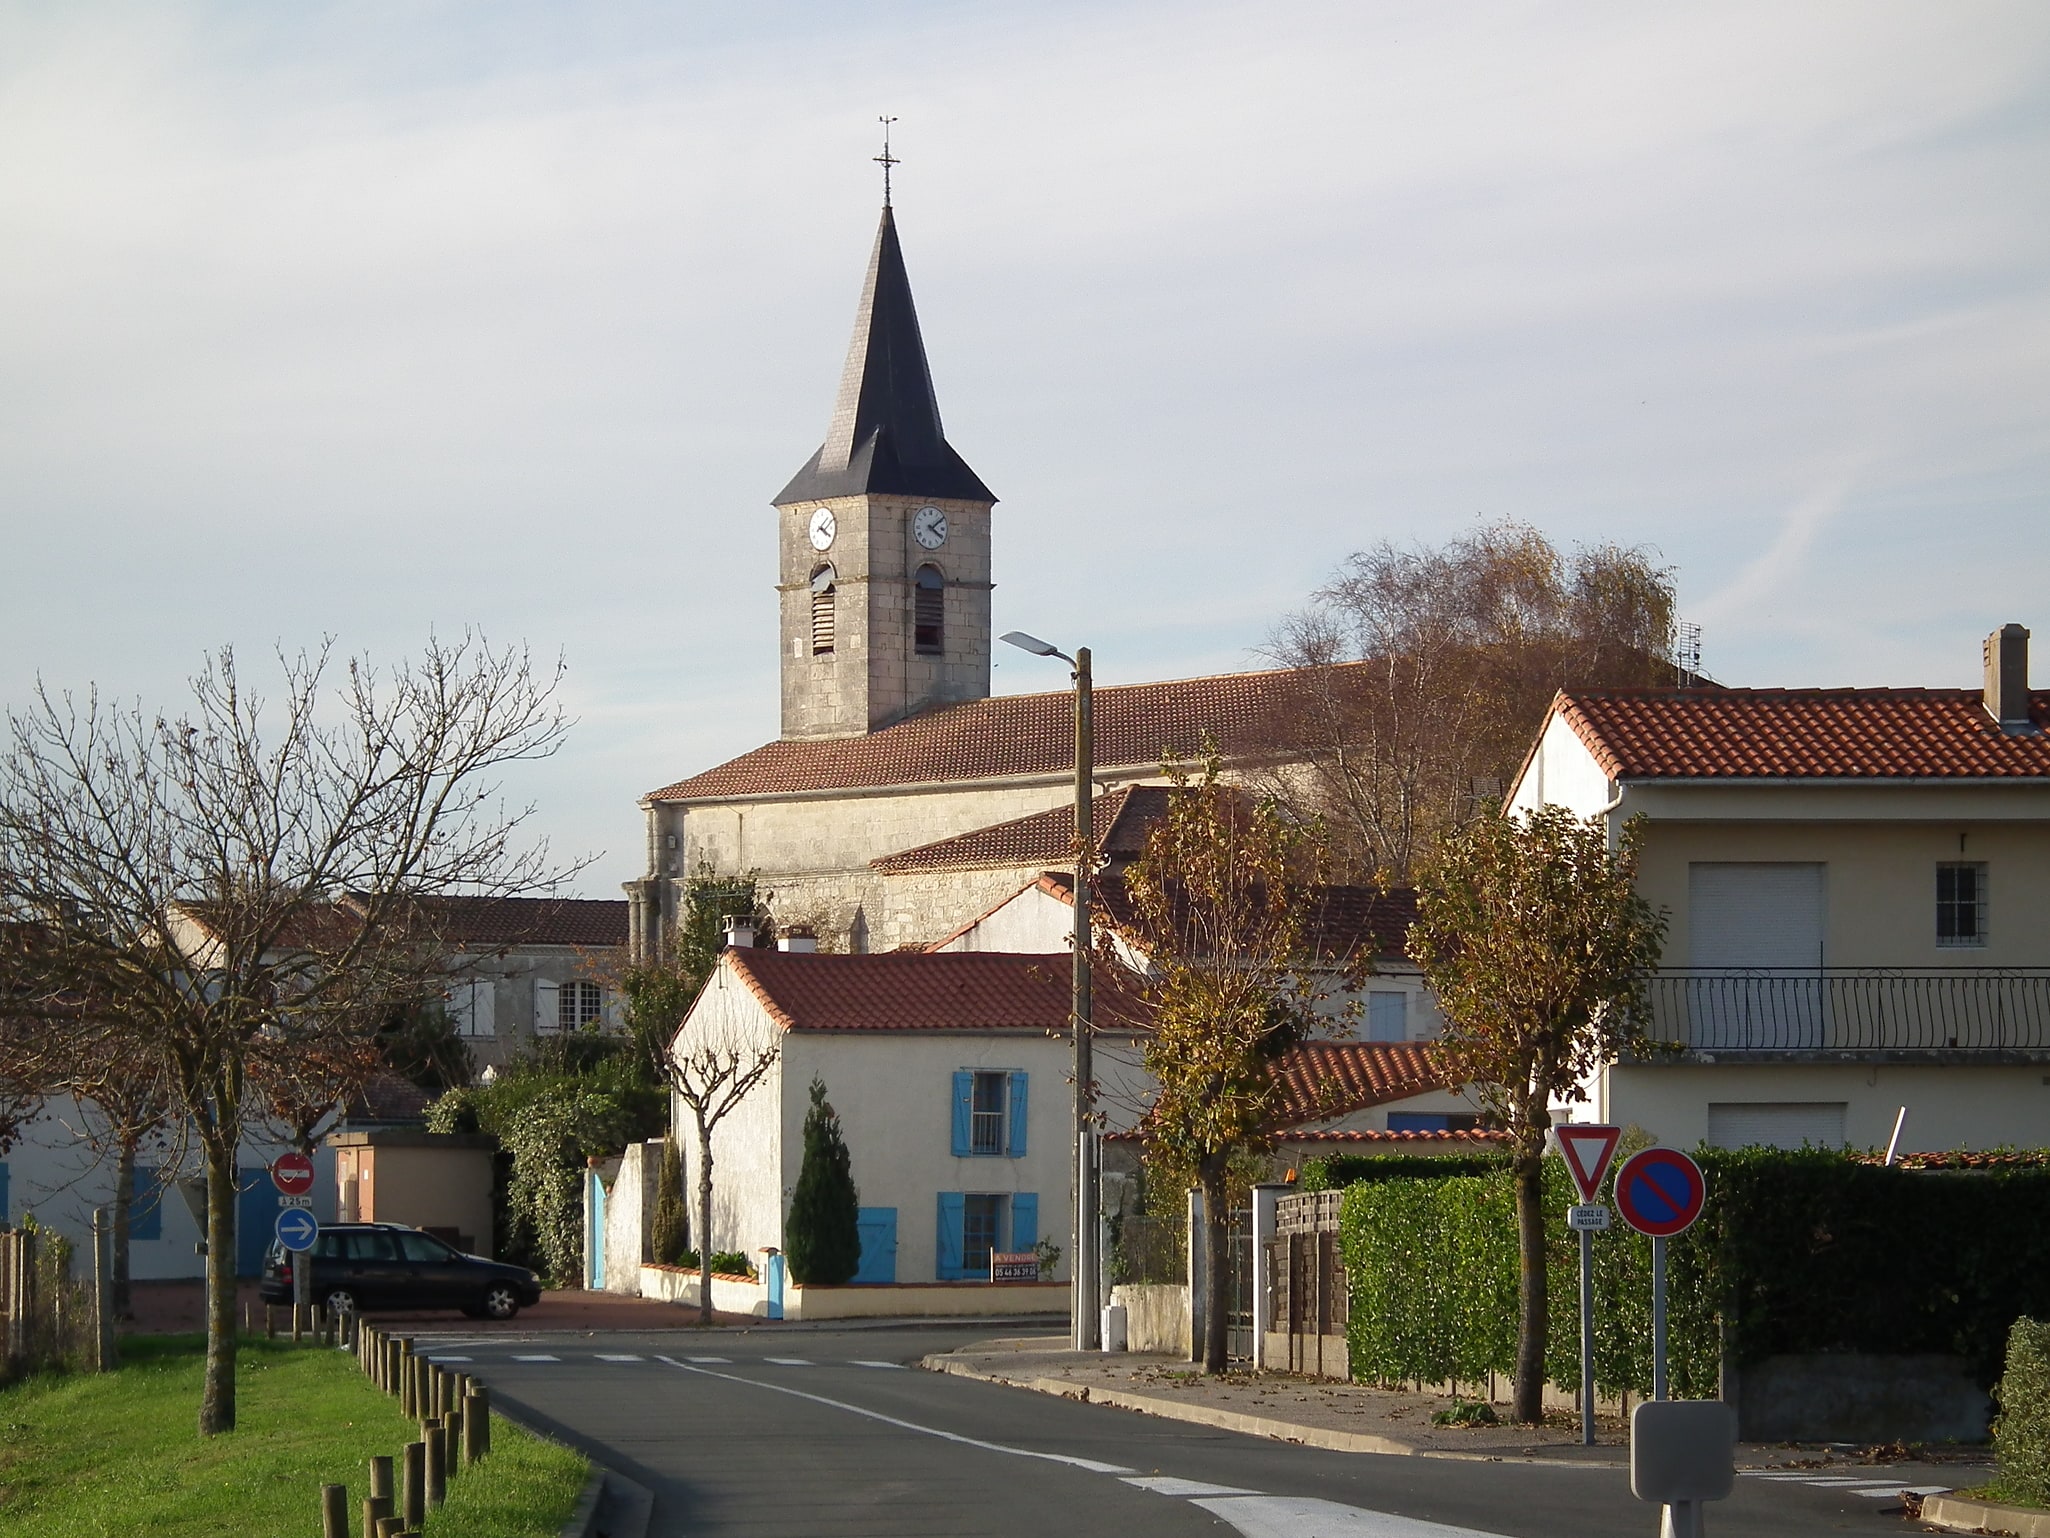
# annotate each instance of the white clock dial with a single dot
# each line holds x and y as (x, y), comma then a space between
(929, 527)
(823, 528)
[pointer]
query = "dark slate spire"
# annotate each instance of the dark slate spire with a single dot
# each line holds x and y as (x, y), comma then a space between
(885, 434)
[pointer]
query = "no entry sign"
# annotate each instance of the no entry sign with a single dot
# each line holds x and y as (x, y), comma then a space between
(1587, 1148)
(1659, 1192)
(292, 1174)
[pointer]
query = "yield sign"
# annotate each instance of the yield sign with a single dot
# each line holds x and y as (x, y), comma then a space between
(1587, 1148)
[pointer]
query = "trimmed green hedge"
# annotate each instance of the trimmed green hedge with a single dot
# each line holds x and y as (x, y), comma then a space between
(1336, 1171)
(1809, 1251)
(2021, 1436)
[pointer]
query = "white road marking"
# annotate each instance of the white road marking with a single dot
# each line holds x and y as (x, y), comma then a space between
(450, 1359)
(890, 1366)
(1292, 1516)
(1167, 1484)
(537, 1359)
(608, 1356)
(1831, 1482)
(699, 1359)
(787, 1361)
(1881, 1494)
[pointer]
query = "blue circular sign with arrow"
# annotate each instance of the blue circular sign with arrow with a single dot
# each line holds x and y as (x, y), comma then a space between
(297, 1229)
(1660, 1191)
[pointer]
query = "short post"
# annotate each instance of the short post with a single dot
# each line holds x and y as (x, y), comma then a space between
(437, 1463)
(409, 1384)
(1587, 1337)
(380, 1478)
(103, 1290)
(413, 1501)
(477, 1419)
(391, 1527)
(1658, 1318)
(376, 1511)
(454, 1421)
(334, 1511)
(270, 1322)
(472, 1422)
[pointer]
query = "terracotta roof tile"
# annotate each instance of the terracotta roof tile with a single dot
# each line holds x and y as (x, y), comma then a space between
(1457, 1138)
(494, 921)
(1246, 714)
(1121, 821)
(1332, 1078)
(914, 991)
(1856, 734)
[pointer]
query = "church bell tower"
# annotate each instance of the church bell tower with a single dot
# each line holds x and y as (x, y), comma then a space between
(883, 551)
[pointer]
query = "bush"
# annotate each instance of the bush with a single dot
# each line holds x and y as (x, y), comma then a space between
(670, 1233)
(822, 1239)
(724, 1263)
(1335, 1172)
(2021, 1435)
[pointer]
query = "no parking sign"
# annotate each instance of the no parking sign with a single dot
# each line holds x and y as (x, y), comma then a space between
(1660, 1191)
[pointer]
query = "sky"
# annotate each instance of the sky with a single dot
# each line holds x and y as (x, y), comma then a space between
(373, 320)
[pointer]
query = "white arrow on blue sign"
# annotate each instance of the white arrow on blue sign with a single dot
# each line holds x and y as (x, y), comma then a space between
(297, 1229)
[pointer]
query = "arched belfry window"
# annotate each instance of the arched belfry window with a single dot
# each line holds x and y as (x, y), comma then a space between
(929, 612)
(823, 583)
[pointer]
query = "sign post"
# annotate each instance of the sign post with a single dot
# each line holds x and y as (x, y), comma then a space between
(1587, 1148)
(1659, 1192)
(292, 1175)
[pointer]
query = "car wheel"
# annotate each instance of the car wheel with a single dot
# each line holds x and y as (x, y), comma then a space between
(341, 1301)
(501, 1301)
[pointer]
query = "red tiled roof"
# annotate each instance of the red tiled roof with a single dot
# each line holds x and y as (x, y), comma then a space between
(916, 991)
(1121, 820)
(495, 921)
(1323, 1079)
(1457, 1136)
(1245, 714)
(1852, 734)
(388, 1097)
(1342, 918)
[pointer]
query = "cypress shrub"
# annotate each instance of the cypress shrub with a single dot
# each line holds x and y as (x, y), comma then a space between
(2021, 1436)
(822, 1240)
(671, 1228)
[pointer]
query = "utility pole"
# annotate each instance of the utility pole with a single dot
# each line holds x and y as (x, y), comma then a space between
(1088, 1302)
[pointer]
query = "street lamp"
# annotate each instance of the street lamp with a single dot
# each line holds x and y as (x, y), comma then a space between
(1088, 1320)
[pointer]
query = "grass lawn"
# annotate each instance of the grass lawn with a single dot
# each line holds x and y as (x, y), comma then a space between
(106, 1455)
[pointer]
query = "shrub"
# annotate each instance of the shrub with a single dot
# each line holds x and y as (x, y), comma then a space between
(724, 1263)
(822, 1239)
(670, 1233)
(2021, 1436)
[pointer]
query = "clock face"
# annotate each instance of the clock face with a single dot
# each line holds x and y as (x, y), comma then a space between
(823, 527)
(929, 527)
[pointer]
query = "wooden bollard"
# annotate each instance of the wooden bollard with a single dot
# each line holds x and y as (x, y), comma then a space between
(437, 1464)
(391, 1527)
(380, 1478)
(476, 1425)
(376, 1510)
(409, 1386)
(270, 1322)
(334, 1511)
(413, 1500)
(454, 1421)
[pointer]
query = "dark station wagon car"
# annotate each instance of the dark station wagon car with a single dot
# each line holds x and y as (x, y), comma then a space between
(365, 1266)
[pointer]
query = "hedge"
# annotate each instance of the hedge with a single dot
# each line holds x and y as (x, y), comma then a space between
(1810, 1251)
(2021, 1436)
(1336, 1171)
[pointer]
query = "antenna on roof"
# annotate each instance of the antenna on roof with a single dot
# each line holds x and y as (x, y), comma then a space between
(1687, 652)
(886, 159)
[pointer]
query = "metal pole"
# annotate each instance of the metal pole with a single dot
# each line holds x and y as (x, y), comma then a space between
(1658, 1318)
(1088, 1318)
(1586, 1337)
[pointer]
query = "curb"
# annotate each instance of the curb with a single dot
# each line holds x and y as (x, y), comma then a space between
(583, 1516)
(1968, 1516)
(626, 1505)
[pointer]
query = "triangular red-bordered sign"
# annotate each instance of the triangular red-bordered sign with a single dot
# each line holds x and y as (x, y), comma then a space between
(1587, 1148)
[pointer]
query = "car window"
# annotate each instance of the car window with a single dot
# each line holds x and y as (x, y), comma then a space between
(328, 1247)
(423, 1247)
(368, 1244)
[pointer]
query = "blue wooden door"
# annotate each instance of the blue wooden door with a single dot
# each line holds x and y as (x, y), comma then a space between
(878, 1228)
(256, 1219)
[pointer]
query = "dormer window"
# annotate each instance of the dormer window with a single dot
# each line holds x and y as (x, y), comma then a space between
(929, 612)
(823, 584)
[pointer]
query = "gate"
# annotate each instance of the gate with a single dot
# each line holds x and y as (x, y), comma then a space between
(1310, 1301)
(1238, 1341)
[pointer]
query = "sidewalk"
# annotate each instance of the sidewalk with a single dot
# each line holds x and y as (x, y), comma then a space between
(1346, 1417)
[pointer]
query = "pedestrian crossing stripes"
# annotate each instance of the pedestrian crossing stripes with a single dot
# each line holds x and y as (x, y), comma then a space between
(621, 1357)
(611, 1356)
(538, 1358)
(787, 1361)
(450, 1359)
(886, 1366)
(701, 1360)
(1847, 1484)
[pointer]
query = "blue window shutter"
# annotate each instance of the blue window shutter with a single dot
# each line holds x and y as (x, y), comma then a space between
(1024, 1219)
(947, 1246)
(145, 1215)
(1017, 1115)
(964, 1110)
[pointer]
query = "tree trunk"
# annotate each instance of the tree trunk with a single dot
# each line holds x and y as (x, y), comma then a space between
(704, 1221)
(124, 1205)
(1217, 1261)
(1530, 1333)
(217, 1397)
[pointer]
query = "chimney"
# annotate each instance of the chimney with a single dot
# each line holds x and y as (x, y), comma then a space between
(740, 933)
(2007, 680)
(797, 943)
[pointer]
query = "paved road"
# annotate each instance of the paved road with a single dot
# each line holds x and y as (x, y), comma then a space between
(806, 1431)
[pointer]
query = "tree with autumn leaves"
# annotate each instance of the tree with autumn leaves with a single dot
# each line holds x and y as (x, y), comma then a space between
(1531, 933)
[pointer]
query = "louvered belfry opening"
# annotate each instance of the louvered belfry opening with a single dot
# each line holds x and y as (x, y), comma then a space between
(929, 612)
(823, 582)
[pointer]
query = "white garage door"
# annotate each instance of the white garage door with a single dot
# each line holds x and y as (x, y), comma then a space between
(1756, 930)
(1776, 1124)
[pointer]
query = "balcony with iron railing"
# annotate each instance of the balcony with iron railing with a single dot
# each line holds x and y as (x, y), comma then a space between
(1953, 1013)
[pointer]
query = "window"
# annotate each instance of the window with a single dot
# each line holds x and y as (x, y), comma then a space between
(470, 1008)
(989, 1114)
(929, 612)
(980, 1218)
(578, 1004)
(423, 1249)
(1961, 904)
(973, 1223)
(1434, 1121)
(145, 1204)
(1387, 1016)
(1777, 1124)
(824, 583)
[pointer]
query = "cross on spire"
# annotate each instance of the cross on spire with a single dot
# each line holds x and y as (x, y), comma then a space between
(886, 159)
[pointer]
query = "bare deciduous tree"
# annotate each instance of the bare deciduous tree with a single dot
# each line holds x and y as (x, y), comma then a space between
(186, 875)
(712, 1068)
(1429, 669)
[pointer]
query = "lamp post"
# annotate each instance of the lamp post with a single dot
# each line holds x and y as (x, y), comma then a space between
(1088, 1318)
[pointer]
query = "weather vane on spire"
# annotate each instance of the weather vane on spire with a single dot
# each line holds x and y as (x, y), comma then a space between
(886, 159)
